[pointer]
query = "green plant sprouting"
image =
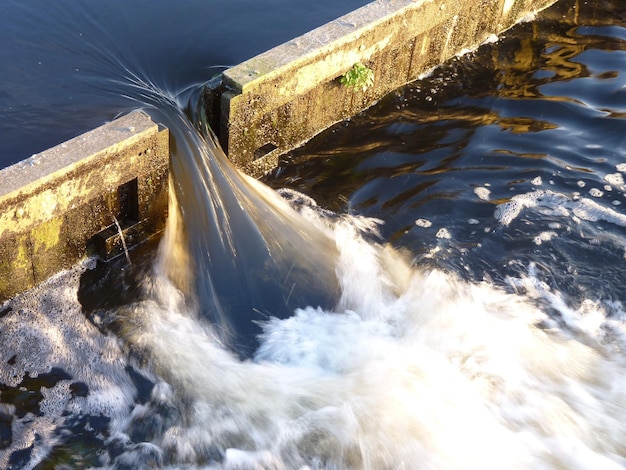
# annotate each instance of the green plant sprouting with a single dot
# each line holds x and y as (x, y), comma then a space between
(359, 77)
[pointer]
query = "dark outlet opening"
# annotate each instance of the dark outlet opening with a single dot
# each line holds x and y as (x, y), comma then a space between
(128, 200)
(264, 150)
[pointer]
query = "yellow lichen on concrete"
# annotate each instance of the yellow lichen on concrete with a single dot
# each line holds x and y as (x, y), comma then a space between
(22, 257)
(47, 235)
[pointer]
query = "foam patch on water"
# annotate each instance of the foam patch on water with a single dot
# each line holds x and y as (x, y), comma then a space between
(482, 193)
(49, 348)
(595, 192)
(443, 233)
(544, 237)
(423, 223)
(615, 180)
(556, 204)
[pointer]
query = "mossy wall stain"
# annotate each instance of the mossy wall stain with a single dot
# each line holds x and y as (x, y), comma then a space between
(15, 264)
(22, 258)
(47, 235)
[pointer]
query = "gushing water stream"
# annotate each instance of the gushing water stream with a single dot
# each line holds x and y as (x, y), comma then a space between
(250, 255)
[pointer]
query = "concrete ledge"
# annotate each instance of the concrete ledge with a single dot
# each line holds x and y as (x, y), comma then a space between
(67, 202)
(278, 100)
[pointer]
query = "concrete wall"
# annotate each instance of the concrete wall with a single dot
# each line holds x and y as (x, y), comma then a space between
(61, 205)
(278, 100)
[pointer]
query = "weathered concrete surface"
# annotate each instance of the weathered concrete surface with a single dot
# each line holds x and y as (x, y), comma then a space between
(278, 100)
(62, 204)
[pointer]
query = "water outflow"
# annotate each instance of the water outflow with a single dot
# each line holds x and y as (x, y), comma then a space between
(410, 369)
(241, 252)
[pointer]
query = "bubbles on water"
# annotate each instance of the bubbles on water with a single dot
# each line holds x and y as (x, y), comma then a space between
(544, 237)
(595, 192)
(550, 203)
(62, 372)
(615, 180)
(443, 233)
(424, 223)
(482, 193)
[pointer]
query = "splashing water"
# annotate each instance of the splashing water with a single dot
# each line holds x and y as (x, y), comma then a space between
(415, 369)
(250, 254)
(412, 369)
(409, 368)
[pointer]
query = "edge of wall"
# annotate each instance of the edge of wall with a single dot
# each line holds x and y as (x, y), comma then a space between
(278, 100)
(64, 204)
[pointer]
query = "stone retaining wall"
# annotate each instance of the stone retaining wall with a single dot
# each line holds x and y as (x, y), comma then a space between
(274, 102)
(66, 203)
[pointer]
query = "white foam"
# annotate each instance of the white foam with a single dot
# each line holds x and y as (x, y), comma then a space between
(544, 237)
(414, 367)
(616, 180)
(557, 204)
(443, 233)
(46, 328)
(482, 193)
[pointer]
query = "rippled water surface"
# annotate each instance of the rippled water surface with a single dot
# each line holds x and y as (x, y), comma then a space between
(474, 230)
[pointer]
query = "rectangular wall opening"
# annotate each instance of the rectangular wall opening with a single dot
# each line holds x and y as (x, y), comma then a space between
(128, 202)
(264, 150)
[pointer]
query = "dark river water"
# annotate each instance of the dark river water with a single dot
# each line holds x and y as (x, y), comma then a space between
(436, 283)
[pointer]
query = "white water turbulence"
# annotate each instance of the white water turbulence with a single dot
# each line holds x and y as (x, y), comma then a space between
(409, 369)
(273, 334)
